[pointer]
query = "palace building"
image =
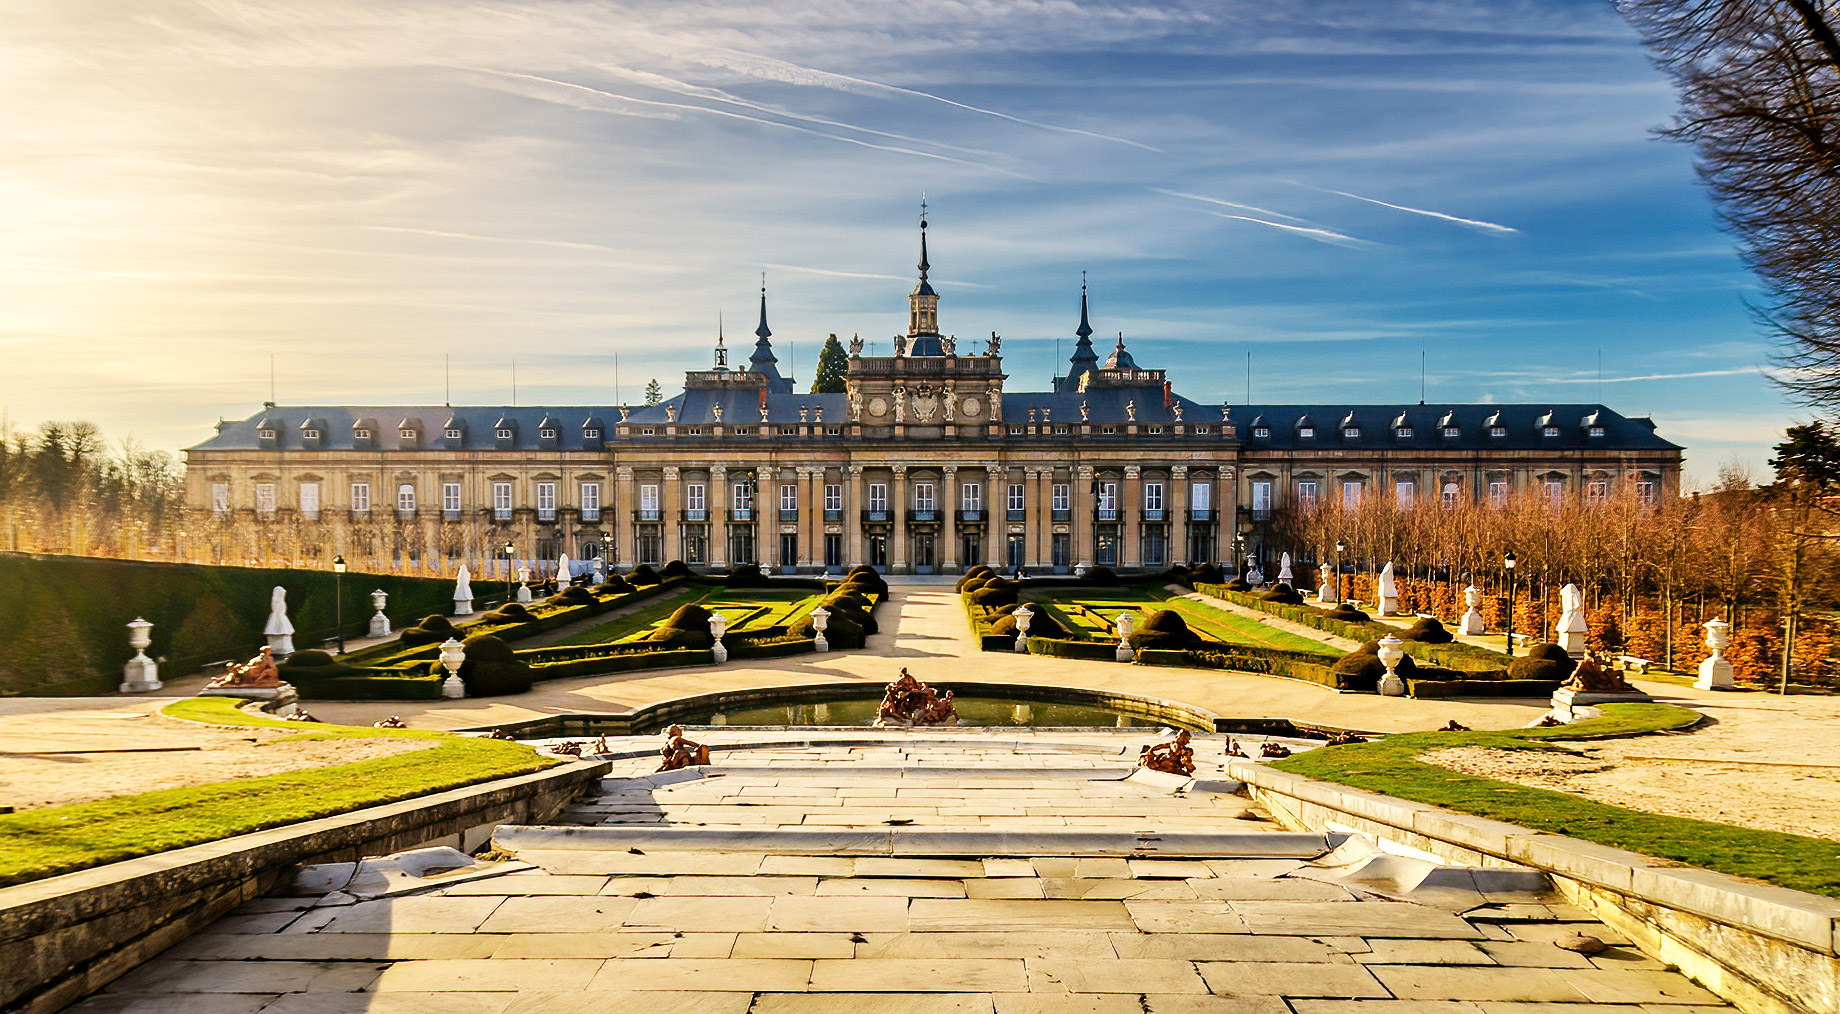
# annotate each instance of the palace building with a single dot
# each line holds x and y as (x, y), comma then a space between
(926, 463)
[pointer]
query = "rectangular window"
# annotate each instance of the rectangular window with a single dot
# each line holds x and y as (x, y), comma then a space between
(789, 498)
(265, 498)
(971, 496)
(1108, 501)
(648, 502)
(1555, 492)
(923, 498)
(1261, 501)
(1498, 493)
(1063, 497)
(833, 498)
(743, 500)
(1599, 491)
(1306, 496)
(309, 500)
(450, 498)
(1405, 494)
(1017, 499)
(501, 501)
(1351, 494)
(361, 497)
(1200, 496)
(878, 498)
(405, 498)
(220, 497)
(1645, 492)
(546, 501)
(591, 501)
(696, 502)
(1153, 501)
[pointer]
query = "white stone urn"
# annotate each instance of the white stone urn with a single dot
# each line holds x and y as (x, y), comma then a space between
(523, 591)
(141, 674)
(820, 619)
(1390, 653)
(1126, 623)
(1471, 623)
(1715, 673)
(380, 624)
(718, 625)
(1023, 615)
(453, 655)
(1326, 593)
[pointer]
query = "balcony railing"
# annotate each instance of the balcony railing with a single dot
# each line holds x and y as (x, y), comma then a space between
(1261, 513)
(646, 514)
(1200, 514)
(741, 514)
(1060, 514)
(546, 513)
(971, 515)
(923, 514)
(833, 515)
(788, 515)
(357, 514)
(590, 513)
(1018, 514)
(875, 514)
(405, 515)
(501, 514)
(1107, 514)
(1153, 513)
(696, 514)
(450, 515)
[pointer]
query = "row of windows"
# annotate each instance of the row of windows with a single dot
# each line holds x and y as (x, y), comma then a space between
(1307, 432)
(1405, 493)
(451, 502)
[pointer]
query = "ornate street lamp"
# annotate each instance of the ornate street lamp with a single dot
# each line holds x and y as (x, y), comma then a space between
(338, 599)
(508, 547)
(1508, 562)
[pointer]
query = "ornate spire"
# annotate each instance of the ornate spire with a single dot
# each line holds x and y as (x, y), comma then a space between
(923, 305)
(721, 345)
(924, 266)
(763, 332)
(763, 361)
(1085, 329)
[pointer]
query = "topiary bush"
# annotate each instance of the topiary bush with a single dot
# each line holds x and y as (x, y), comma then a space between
(509, 611)
(676, 568)
(491, 668)
(745, 575)
(994, 594)
(1207, 573)
(841, 631)
(1347, 614)
(576, 595)
(614, 585)
(1284, 593)
(1101, 575)
(1545, 661)
(1163, 628)
(855, 608)
(1238, 584)
(1361, 669)
(312, 658)
(1040, 625)
(429, 630)
(688, 627)
(643, 574)
(866, 577)
(1428, 630)
(974, 578)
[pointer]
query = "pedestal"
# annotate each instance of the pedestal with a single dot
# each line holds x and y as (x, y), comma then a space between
(284, 695)
(1389, 605)
(720, 651)
(1471, 624)
(453, 688)
(1573, 642)
(280, 645)
(523, 593)
(140, 676)
(1714, 674)
(380, 625)
(1021, 647)
(818, 643)
(1391, 685)
(1570, 705)
(463, 607)
(1123, 654)
(1326, 594)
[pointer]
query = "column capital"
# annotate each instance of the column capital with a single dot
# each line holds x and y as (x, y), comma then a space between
(948, 470)
(671, 473)
(856, 470)
(993, 467)
(900, 471)
(1132, 471)
(1178, 471)
(1085, 471)
(717, 471)
(624, 473)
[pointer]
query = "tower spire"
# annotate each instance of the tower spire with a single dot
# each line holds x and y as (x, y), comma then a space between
(1085, 329)
(924, 266)
(763, 332)
(721, 344)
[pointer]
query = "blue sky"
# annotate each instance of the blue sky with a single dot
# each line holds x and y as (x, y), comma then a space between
(360, 189)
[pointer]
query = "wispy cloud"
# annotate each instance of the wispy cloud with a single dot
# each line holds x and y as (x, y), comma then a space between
(1227, 204)
(444, 234)
(1471, 222)
(1308, 232)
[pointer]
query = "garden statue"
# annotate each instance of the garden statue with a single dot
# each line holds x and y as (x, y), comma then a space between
(1389, 591)
(452, 657)
(463, 592)
(1571, 627)
(1024, 615)
(279, 631)
(1174, 756)
(259, 673)
(564, 576)
(600, 571)
(1715, 672)
(679, 752)
(1254, 576)
(1284, 569)
(1471, 623)
(380, 624)
(1391, 652)
(1592, 678)
(523, 589)
(1325, 593)
(141, 673)
(1126, 622)
(908, 702)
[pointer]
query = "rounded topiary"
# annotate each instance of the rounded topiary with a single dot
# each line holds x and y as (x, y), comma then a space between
(688, 627)
(1282, 593)
(856, 607)
(1163, 628)
(429, 630)
(676, 568)
(575, 595)
(994, 594)
(1545, 661)
(615, 584)
(312, 658)
(1347, 614)
(492, 668)
(1205, 573)
(1428, 630)
(511, 611)
(866, 579)
(1008, 609)
(643, 574)
(745, 575)
(1101, 575)
(972, 580)
(977, 569)
(840, 631)
(1361, 669)
(1239, 584)
(1040, 625)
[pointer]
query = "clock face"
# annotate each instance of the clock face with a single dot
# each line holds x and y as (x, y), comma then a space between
(878, 406)
(972, 406)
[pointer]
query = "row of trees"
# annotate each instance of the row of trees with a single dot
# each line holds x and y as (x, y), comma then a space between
(1762, 557)
(65, 489)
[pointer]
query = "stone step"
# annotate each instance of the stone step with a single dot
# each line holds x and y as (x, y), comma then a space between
(968, 842)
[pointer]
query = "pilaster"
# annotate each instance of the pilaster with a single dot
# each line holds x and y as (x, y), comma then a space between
(1083, 517)
(673, 514)
(1175, 508)
(1130, 554)
(625, 503)
(897, 549)
(948, 526)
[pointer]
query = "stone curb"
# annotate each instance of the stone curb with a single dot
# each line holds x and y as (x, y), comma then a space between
(64, 937)
(943, 842)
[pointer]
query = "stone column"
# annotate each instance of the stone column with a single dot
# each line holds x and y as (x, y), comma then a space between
(996, 524)
(672, 515)
(1226, 509)
(853, 550)
(897, 537)
(811, 516)
(1131, 517)
(624, 504)
(948, 526)
(1082, 517)
(1037, 517)
(1175, 508)
(715, 508)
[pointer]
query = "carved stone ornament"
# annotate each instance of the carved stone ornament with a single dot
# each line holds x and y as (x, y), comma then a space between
(1177, 409)
(856, 345)
(878, 406)
(926, 405)
(763, 411)
(717, 409)
(856, 406)
(624, 412)
(1130, 410)
(1085, 411)
(900, 404)
(949, 403)
(996, 404)
(670, 413)
(804, 413)
(972, 407)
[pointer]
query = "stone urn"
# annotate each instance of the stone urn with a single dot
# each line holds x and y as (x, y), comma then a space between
(380, 624)
(1715, 672)
(718, 625)
(1126, 623)
(1391, 651)
(141, 674)
(523, 590)
(820, 619)
(1471, 623)
(453, 655)
(1023, 615)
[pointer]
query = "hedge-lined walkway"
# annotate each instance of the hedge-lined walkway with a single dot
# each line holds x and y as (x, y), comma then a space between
(1277, 622)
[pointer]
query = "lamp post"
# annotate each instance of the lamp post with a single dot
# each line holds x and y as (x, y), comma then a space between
(1239, 552)
(508, 547)
(1508, 562)
(1340, 548)
(338, 599)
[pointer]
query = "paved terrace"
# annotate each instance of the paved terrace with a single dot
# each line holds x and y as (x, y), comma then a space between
(746, 888)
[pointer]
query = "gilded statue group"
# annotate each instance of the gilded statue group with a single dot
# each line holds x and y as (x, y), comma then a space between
(679, 752)
(259, 673)
(1174, 756)
(909, 702)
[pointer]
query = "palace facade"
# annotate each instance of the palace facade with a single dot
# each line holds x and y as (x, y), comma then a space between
(925, 463)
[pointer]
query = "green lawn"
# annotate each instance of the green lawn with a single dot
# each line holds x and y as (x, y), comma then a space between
(1391, 766)
(1094, 612)
(746, 609)
(61, 839)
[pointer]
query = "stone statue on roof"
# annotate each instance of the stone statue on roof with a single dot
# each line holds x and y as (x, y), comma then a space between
(625, 411)
(950, 404)
(670, 413)
(855, 405)
(950, 344)
(1044, 413)
(817, 414)
(900, 345)
(1177, 409)
(804, 413)
(716, 410)
(996, 403)
(1085, 411)
(763, 409)
(996, 343)
(900, 404)
(1130, 410)
(856, 345)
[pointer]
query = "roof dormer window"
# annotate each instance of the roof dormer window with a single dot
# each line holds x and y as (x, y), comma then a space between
(547, 434)
(1351, 432)
(1596, 431)
(505, 433)
(406, 434)
(310, 434)
(590, 434)
(1404, 432)
(1498, 431)
(1306, 432)
(268, 434)
(453, 433)
(1452, 433)
(1261, 432)
(361, 434)
(1549, 431)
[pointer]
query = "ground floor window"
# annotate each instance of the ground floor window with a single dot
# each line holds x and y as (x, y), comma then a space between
(878, 551)
(1016, 551)
(590, 550)
(788, 550)
(833, 550)
(1061, 546)
(696, 544)
(1156, 546)
(741, 545)
(651, 545)
(1200, 544)
(1106, 546)
(971, 548)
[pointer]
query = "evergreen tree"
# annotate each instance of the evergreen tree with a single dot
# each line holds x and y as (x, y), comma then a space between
(653, 393)
(833, 364)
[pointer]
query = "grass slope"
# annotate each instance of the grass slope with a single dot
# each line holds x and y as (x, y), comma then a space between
(1391, 766)
(62, 839)
(746, 609)
(1092, 612)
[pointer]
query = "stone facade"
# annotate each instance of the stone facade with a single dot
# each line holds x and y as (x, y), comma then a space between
(926, 463)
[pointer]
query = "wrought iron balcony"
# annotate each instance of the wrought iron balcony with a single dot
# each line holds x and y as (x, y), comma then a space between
(646, 514)
(741, 514)
(971, 516)
(918, 514)
(1153, 513)
(1015, 514)
(876, 514)
(1200, 514)
(695, 514)
(788, 515)
(1061, 514)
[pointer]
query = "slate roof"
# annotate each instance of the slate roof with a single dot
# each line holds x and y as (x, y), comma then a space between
(1378, 426)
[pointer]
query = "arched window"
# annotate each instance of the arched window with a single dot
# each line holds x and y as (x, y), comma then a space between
(405, 498)
(1452, 496)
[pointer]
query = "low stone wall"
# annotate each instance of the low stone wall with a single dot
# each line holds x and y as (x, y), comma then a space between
(1766, 949)
(65, 937)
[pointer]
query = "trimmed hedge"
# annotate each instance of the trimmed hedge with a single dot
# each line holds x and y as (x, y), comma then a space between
(1476, 663)
(1297, 665)
(63, 618)
(1090, 651)
(367, 685)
